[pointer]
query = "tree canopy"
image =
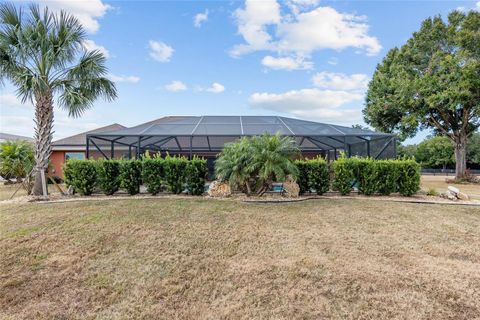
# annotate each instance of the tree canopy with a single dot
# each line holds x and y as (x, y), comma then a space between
(431, 82)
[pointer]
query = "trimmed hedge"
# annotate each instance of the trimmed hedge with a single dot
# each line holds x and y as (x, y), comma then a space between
(196, 172)
(130, 175)
(313, 174)
(408, 177)
(108, 172)
(302, 180)
(175, 173)
(153, 174)
(344, 175)
(387, 173)
(81, 175)
(372, 176)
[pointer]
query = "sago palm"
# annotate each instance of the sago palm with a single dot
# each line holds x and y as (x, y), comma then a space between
(42, 55)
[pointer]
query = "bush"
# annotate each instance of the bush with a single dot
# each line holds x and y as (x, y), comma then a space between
(409, 177)
(387, 173)
(81, 175)
(108, 176)
(130, 175)
(153, 174)
(196, 171)
(175, 173)
(318, 175)
(366, 175)
(302, 180)
(343, 175)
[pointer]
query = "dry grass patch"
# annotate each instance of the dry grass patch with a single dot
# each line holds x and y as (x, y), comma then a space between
(440, 185)
(206, 259)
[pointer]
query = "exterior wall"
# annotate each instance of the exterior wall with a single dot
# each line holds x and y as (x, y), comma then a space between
(57, 159)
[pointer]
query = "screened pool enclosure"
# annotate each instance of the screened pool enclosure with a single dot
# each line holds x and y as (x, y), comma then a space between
(206, 135)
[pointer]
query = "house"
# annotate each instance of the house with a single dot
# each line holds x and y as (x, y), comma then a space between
(13, 137)
(75, 147)
(205, 136)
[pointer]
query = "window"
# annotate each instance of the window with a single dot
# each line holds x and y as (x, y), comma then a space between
(74, 155)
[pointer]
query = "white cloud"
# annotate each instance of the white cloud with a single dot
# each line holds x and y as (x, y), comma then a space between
(200, 18)
(286, 63)
(160, 51)
(301, 33)
(10, 100)
(216, 88)
(310, 103)
(87, 11)
(123, 78)
(340, 81)
(252, 22)
(176, 86)
(478, 5)
(90, 45)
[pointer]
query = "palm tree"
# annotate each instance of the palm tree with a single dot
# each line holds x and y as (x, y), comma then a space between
(273, 159)
(42, 55)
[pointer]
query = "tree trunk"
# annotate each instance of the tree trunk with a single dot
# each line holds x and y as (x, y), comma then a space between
(43, 141)
(460, 146)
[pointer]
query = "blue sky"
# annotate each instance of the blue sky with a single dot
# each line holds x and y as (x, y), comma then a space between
(300, 58)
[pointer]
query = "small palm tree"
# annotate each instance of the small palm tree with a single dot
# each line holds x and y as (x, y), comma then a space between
(273, 159)
(42, 55)
(232, 164)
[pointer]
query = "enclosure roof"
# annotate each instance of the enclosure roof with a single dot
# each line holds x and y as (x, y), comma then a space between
(237, 126)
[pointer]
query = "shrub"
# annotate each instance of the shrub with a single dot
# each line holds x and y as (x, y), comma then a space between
(409, 177)
(153, 174)
(318, 175)
(366, 175)
(302, 180)
(81, 175)
(175, 173)
(343, 175)
(253, 164)
(387, 173)
(130, 175)
(108, 176)
(196, 171)
(432, 192)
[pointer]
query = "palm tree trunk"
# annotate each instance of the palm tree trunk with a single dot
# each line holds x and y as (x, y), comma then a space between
(43, 141)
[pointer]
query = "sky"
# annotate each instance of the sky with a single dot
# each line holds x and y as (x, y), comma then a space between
(307, 59)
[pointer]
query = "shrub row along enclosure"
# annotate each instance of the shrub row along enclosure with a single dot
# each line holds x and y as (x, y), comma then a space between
(173, 174)
(367, 175)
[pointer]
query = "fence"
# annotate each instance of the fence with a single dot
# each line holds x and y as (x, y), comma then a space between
(444, 172)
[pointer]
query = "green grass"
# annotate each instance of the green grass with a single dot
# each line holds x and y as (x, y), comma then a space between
(198, 258)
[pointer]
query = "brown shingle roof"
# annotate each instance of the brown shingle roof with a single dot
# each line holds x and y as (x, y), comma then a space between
(79, 139)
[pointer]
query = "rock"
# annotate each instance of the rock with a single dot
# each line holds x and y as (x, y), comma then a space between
(453, 190)
(451, 196)
(290, 188)
(462, 196)
(219, 189)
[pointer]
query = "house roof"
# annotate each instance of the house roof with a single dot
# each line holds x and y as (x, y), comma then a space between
(13, 137)
(80, 139)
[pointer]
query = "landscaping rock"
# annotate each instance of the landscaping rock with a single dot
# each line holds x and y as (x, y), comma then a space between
(462, 196)
(453, 190)
(219, 189)
(290, 188)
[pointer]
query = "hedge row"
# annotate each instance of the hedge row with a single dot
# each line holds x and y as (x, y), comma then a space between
(313, 174)
(368, 175)
(174, 174)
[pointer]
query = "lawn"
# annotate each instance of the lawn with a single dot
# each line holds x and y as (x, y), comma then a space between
(198, 258)
(439, 183)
